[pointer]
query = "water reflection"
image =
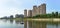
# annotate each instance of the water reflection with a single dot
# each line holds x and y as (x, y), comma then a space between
(10, 24)
(36, 24)
(11, 21)
(17, 22)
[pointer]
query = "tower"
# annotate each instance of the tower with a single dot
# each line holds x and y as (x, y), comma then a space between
(25, 13)
(30, 13)
(42, 8)
(34, 11)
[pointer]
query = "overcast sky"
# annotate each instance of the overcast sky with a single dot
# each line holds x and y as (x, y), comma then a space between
(12, 7)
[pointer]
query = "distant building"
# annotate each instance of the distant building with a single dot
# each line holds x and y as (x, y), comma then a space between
(19, 16)
(30, 13)
(37, 10)
(25, 13)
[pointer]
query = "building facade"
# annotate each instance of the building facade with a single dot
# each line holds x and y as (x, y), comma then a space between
(42, 9)
(30, 13)
(34, 11)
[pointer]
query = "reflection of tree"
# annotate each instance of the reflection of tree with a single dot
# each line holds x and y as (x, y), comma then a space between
(11, 21)
(56, 25)
(17, 22)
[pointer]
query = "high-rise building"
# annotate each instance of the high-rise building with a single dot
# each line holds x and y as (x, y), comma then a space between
(36, 10)
(30, 13)
(25, 13)
(42, 8)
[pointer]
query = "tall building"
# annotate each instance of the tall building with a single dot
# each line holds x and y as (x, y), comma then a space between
(30, 13)
(25, 13)
(42, 8)
(36, 10)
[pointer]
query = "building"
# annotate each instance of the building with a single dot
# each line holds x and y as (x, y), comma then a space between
(37, 10)
(25, 13)
(42, 9)
(30, 13)
(34, 11)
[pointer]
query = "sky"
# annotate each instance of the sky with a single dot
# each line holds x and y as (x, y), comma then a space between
(12, 7)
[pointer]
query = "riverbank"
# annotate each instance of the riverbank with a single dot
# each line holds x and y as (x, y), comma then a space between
(44, 20)
(48, 20)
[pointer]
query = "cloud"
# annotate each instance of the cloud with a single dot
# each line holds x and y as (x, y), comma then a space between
(12, 7)
(9, 7)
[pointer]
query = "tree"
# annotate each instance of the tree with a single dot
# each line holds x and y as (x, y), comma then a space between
(19, 16)
(11, 17)
(59, 15)
(56, 14)
(5, 17)
(48, 15)
(53, 15)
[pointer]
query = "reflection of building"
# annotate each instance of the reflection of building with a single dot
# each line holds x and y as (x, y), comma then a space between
(36, 10)
(35, 24)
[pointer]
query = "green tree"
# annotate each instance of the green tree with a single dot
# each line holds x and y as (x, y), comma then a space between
(11, 17)
(53, 15)
(59, 15)
(56, 14)
(48, 15)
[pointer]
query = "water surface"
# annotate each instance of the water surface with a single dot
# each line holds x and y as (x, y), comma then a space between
(10, 24)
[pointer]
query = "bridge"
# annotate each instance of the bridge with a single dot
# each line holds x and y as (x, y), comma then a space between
(40, 23)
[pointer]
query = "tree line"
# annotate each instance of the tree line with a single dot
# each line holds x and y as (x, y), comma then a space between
(51, 15)
(12, 17)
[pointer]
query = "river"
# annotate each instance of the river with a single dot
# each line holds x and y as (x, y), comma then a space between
(10, 24)
(14, 24)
